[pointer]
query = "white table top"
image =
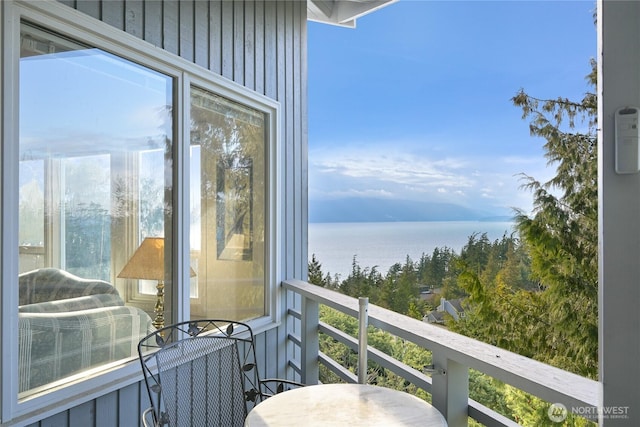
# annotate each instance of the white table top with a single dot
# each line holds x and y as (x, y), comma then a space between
(350, 405)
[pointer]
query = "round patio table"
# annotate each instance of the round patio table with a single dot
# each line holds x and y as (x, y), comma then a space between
(351, 405)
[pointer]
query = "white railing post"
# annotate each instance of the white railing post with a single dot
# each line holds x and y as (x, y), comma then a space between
(363, 323)
(309, 346)
(450, 389)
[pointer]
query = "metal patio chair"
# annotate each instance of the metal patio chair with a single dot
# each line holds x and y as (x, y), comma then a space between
(203, 373)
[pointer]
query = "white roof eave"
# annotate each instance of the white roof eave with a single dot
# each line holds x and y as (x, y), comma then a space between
(342, 12)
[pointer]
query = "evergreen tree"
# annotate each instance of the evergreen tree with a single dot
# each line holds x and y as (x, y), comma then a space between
(557, 325)
(562, 233)
(437, 268)
(441, 272)
(315, 272)
(400, 289)
(549, 314)
(476, 252)
(362, 282)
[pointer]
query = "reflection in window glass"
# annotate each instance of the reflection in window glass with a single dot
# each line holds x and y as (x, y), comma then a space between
(228, 207)
(94, 181)
(31, 218)
(151, 208)
(85, 212)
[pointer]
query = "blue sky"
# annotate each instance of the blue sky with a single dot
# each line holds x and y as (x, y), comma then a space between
(414, 104)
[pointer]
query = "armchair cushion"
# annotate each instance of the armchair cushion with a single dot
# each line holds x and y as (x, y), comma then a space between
(55, 345)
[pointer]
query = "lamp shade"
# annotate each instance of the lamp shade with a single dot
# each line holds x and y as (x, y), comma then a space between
(147, 261)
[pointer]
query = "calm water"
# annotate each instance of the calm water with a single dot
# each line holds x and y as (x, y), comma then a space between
(383, 244)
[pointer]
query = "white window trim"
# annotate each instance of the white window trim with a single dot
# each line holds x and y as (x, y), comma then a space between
(83, 28)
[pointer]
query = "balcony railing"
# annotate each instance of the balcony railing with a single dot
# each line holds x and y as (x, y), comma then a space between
(452, 354)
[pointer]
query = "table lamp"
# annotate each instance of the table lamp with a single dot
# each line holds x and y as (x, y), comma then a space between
(147, 263)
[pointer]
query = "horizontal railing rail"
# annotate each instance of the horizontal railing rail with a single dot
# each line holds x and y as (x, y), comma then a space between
(452, 354)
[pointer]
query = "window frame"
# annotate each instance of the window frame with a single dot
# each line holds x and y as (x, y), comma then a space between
(85, 29)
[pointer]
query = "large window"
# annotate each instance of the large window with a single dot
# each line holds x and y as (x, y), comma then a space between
(101, 205)
(227, 206)
(94, 156)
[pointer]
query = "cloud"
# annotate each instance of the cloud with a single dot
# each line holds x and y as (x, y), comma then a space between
(396, 171)
(149, 118)
(379, 194)
(399, 168)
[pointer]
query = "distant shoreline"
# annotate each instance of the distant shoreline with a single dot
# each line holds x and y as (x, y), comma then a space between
(384, 243)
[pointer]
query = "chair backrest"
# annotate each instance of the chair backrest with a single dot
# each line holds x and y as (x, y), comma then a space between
(51, 284)
(200, 373)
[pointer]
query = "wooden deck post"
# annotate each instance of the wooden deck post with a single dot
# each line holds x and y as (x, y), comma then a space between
(363, 323)
(309, 346)
(450, 389)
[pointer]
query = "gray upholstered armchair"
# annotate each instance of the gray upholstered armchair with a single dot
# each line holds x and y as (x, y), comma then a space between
(68, 324)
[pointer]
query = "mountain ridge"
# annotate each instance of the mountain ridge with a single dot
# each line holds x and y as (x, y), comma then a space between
(386, 210)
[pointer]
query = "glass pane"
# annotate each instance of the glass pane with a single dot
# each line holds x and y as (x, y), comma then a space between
(94, 182)
(228, 207)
